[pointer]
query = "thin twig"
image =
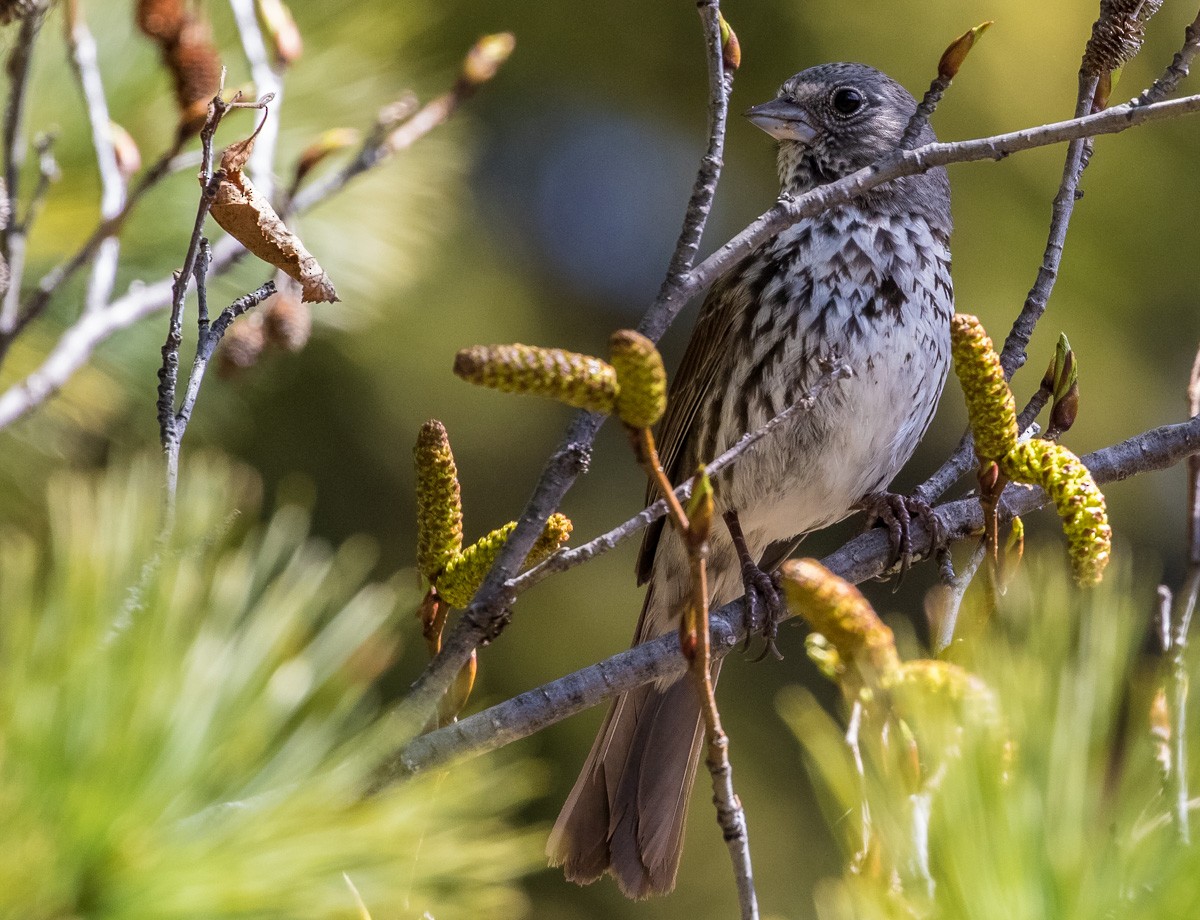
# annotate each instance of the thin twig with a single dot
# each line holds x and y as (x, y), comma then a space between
(720, 86)
(266, 83)
(1184, 608)
(1178, 626)
(37, 301)
(1012, 356)
(569, 558)
(48, 174)
(925, 109)
(170, 431)
(12, 239)
(1178, 68)
(646, 452)
(1193, 470)
(863, 558)
(209, 340)
(396, 130)
(731, 817)
(81, 46)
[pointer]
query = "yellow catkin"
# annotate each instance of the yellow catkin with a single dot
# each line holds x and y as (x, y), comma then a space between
(990, 404)
(839, 612)
(824, 656)
(1079, 501)
(465, 572)
(554, 535)
(917, 683)
(577, 380)
(439, 501)
(641, 379)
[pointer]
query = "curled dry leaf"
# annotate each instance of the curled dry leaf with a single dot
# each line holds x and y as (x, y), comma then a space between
(249, 218)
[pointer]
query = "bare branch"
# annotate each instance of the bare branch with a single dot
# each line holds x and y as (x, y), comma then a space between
(84, 62)
(1165, 85)
(76, 345)
(266, 82)
(864, 557)
(12, 239)
(398, 128)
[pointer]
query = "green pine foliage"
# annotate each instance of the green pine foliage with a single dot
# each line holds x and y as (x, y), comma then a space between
(186, 727)
(1054, 809)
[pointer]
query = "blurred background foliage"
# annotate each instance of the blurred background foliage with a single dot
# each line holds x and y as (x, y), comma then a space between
(544, 213)
(188, 724)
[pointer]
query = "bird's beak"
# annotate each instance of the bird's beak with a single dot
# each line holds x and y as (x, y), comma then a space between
(783, 120)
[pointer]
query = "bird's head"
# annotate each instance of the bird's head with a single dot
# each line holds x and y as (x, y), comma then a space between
(832, 120)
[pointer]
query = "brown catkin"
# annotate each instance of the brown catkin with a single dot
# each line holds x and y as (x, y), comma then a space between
(288, 320)
(12, 10)
(1117, 34)
(161, 20)
(241, 347)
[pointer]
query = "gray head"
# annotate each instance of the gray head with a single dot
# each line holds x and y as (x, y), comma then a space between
(835, 119)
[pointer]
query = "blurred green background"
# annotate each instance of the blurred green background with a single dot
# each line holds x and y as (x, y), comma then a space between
(544, 213)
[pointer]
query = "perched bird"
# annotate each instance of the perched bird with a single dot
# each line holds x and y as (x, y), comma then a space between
(866, 283)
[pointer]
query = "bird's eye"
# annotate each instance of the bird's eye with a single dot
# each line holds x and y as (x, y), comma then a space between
(847, 101)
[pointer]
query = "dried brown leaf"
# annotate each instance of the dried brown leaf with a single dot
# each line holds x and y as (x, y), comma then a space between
(249, 218)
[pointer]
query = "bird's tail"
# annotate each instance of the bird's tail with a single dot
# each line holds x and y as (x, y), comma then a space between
(627, 811)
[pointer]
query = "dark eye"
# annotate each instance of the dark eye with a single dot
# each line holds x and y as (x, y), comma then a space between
(847, 101)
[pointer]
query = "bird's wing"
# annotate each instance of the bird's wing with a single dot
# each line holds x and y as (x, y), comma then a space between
(692, 381)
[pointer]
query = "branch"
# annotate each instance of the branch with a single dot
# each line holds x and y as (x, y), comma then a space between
(12, 240)
(1178, 68)
(81, 46)
(36, 303)
(482, 619)
(266, 83)
(75, 346)
(401, 125)
(864, 557)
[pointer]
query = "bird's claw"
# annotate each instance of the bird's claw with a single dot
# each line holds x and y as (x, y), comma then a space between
(896, 513)
(764, 600)
(764, 609)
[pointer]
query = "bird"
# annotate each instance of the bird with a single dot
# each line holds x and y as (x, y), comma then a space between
(865, 283)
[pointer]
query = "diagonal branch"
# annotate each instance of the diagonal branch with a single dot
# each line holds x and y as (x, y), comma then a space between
(84, 62)
(569, 558)
(12, 239)
(864, 557)
(481, 620)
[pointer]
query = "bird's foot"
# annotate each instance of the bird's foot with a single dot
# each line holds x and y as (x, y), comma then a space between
(764, 607)
(896, 513)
